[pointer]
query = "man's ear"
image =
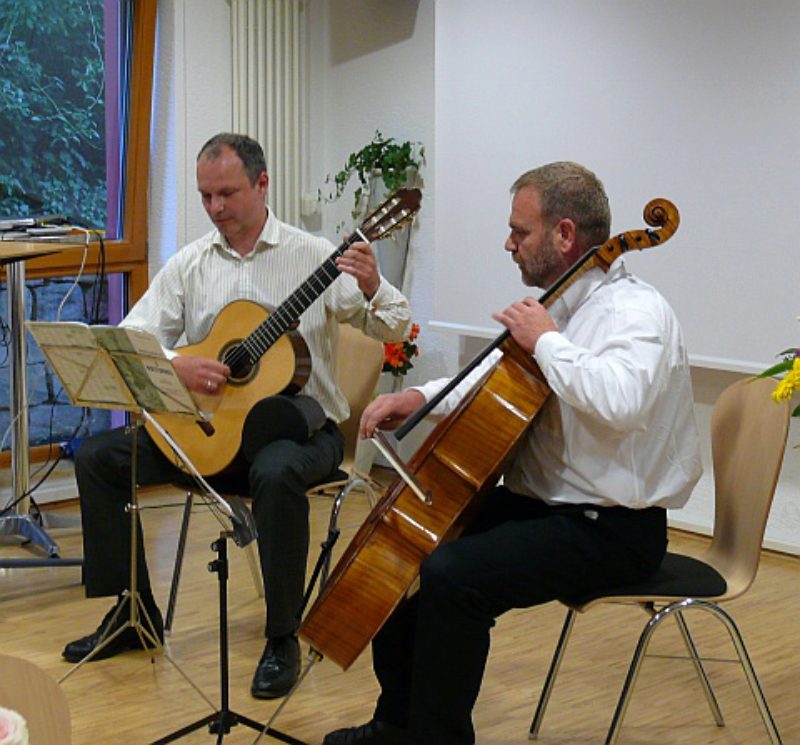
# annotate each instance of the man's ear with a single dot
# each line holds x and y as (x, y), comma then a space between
(262, 182)
(566, 237)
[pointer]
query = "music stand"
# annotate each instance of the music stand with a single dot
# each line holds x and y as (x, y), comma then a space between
(118, 368)
(121, 368)
(223, 719)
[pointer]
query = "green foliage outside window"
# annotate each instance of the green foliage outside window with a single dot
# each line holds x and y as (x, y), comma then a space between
(52, 109)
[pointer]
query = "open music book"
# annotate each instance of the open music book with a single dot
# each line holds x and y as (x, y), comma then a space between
(112, 367)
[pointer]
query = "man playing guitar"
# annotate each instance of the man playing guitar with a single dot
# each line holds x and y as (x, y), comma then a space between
(250, 255)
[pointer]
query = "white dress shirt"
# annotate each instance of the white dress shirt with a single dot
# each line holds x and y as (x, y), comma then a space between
(618, 427)
(197, 282)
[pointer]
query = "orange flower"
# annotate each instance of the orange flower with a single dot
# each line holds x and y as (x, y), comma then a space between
(397, 355)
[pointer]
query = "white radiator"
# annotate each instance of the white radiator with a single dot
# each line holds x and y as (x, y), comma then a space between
(269, 92)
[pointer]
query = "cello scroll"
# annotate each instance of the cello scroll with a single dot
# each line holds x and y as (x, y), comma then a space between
(661, 214)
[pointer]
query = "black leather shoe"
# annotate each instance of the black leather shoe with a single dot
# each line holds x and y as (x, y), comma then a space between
(128, 639)
(374, 732)
(277, 669)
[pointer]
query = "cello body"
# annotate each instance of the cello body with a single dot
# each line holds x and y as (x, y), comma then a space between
(460, 461)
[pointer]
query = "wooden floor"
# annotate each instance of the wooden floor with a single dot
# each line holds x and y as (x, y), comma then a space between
(130, 700)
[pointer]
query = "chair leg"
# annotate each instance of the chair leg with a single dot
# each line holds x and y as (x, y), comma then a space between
(369, 485)
(747, 666)
(738, 643)
(705, 683)
(633, 673)
(176, 571)
(549, 682)
(333, 525)
(255, 567)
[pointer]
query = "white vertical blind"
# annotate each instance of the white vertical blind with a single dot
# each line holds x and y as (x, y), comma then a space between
(269, 91)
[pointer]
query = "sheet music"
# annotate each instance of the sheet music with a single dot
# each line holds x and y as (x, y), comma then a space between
(112, 367)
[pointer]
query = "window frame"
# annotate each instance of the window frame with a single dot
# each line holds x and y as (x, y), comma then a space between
(128, 255)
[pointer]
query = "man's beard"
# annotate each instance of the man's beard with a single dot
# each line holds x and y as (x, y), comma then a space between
(544, 268)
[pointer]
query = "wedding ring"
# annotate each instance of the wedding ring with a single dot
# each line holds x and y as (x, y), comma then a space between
(209, 384)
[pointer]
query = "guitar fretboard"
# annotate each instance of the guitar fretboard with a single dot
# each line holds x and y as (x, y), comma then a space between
(394, 212)
(257, 343)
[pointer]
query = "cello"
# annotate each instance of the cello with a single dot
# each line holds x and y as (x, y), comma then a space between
(443, 483)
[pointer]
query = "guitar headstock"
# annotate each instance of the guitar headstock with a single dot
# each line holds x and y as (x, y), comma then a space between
(394, 212)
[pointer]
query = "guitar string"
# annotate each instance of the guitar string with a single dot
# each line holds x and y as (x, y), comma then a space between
(269, 331)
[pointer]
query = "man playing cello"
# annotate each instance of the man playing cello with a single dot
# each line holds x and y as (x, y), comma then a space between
(584, 495)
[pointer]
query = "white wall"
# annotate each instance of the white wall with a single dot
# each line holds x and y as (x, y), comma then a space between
(693, 101)
(372, 66)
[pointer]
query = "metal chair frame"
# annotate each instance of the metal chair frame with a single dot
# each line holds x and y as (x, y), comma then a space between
(657, 617)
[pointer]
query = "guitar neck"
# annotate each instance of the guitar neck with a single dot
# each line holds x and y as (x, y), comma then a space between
(290, 310)
(398, 209)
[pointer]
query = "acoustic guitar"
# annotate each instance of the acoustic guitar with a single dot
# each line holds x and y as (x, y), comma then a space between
(265, 353)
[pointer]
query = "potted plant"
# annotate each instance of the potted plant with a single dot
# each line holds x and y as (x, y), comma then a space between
(384, 159)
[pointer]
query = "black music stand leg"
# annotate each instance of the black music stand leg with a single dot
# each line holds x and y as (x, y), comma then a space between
(222, 721)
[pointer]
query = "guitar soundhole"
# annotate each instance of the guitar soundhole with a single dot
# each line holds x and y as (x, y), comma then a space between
(237, 358)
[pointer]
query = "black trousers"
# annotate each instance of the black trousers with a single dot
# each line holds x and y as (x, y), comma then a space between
(430, 656)
(277, 481)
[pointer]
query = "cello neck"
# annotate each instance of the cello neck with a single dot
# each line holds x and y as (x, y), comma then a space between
(659, 213)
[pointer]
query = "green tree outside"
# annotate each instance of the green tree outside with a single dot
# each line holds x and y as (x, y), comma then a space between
(52, 109)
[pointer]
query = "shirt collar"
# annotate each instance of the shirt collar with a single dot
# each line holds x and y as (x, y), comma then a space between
(583, 288)
(269, 236)
(270, 233)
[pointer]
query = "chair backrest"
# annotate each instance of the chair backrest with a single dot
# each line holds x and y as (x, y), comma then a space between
(359, 360)
(30, 691)
(748, 438)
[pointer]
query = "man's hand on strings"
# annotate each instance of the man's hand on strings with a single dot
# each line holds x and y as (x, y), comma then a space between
(201, 374)
(389, 411)
(527, 320)
(359, 261)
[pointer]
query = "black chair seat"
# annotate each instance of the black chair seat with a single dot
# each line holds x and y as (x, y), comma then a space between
(678, 576)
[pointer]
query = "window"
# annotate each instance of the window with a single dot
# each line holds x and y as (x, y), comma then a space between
(75, 92)
(55, 85)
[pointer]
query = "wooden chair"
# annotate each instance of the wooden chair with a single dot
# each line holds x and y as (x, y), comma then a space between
(30, 691)
(358, 367)
(359, 360)
(748, 434)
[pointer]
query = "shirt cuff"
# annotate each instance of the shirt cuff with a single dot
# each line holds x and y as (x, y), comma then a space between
(547, 348)
(428, 390)
(381, 294)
